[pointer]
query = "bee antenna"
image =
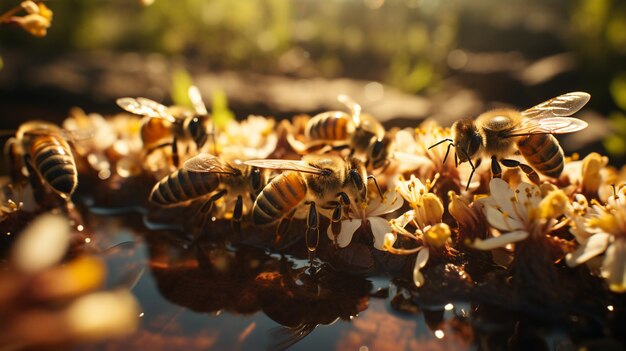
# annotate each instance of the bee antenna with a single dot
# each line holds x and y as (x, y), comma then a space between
(441, 142)
(471, 165)
(614, 192)
(447, 152)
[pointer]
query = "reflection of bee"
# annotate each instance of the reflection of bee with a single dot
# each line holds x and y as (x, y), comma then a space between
(326, 180)
(43, 149)
(499, 132)
(203, 175)
(362, 133)
(162, 123)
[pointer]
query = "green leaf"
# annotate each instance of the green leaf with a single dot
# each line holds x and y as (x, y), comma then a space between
(618, 90)
(220, 113)
(181, 81)
(615, 145)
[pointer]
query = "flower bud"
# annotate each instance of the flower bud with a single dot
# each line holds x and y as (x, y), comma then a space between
(591, 178)
(553, 205)
(437, 235)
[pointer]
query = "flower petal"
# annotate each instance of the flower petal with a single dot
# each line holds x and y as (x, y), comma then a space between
(502, 194)
(390, 203)
(500, 241)
(614, 266)
(348, 227)
(595, 246)
(404, 219)
(502, 221)
(380, 227)
(420, 262)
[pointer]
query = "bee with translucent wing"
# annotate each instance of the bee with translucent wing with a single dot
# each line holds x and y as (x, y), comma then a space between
(499, 133)
(160, 123)
(362, 133)
(328, 181)
(43, 149)
(206, 175)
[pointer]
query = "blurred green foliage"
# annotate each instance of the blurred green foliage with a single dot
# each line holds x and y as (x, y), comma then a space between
(396, 43)
(181, 82)
(615, 143)
(220, 113)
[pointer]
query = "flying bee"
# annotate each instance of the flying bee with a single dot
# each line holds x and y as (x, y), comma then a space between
(329, 181)
(42, 148)
(499, 133)
(359, 132)
(206, 175)
(163, 123)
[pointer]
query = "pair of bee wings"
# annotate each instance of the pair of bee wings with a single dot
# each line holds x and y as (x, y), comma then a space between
(145, 107)
(207, 163)
(77, 135)
(550, 117)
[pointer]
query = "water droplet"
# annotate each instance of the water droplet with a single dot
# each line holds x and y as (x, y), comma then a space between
(448, 307)
(87, 240)
(141, 314)
(610, 308)
(439, 334)
(80, 228)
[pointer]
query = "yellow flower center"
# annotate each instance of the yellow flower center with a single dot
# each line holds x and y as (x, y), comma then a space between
(437, 235)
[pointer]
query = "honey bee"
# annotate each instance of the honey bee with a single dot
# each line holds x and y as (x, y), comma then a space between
(330, 181)
(499, 133)
(162, 123)
(206, 174)
(362, 133)
(42, 148)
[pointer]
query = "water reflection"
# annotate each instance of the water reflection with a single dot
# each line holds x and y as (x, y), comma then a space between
(212, 278)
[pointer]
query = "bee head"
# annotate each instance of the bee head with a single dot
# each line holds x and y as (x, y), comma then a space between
(467, 139)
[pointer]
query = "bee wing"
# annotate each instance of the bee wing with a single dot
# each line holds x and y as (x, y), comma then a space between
(285, 165)
(560, 106)
(207, 163)
(77, 135)
(145, 107)
(196, 100)
(353, 106)
(547, 125)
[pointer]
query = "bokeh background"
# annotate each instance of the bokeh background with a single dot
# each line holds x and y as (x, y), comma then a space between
(403, 60)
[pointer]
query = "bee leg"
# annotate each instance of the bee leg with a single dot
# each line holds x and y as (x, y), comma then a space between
(237, 215)
(344, 199)
(469, 181)
(203, 213)
(313, 230)
(175, 158)
(335, 222)
(529, 171)
(283, 228)
(496, 170)
(380, 192)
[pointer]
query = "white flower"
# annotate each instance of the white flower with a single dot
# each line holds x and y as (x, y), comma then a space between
(602, 230)
(519, 214)
(425, 221)
(373, 215)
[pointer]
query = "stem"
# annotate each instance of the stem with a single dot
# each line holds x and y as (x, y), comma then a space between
(6, 16)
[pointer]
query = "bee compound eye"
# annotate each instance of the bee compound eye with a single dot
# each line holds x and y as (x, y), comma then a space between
(356, 179)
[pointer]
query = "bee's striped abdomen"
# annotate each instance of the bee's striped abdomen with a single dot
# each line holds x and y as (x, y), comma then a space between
(331, 126)
(53, 159)
(543, 153)
(182, 186)
(278, 197)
